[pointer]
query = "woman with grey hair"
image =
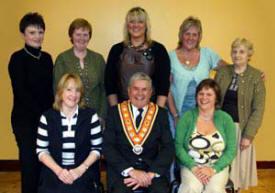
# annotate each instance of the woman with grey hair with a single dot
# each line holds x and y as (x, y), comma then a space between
(137, 53)
(243, 97)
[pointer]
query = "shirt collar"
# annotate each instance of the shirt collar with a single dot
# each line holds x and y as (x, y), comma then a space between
(74, 114)
(136, 112)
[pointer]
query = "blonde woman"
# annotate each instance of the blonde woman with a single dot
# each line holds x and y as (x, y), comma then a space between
(69, 142)
(137, 53)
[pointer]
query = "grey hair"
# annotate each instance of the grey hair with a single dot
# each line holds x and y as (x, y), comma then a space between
(140, 76)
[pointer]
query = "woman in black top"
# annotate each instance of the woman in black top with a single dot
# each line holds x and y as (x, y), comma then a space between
(30, 71)
(137, 53)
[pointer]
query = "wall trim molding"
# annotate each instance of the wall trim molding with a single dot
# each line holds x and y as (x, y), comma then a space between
(9, 165)
(14, 165)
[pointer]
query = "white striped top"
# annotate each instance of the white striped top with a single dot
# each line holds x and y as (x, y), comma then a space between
(68, 127)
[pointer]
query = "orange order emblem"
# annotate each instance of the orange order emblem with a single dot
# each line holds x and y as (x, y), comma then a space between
(137, 136)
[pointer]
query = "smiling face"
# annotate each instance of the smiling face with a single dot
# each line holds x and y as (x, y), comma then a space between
(71, 95)
(80, 39)
(190, 38)
(240, 55)
(206, 99)
(136, 28)
(33, 36)
(140, 93)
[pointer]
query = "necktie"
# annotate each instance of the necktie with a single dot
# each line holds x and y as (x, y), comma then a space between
(139, 117)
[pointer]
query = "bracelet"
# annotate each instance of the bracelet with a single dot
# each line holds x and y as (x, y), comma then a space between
(176, 115)
(86, 166)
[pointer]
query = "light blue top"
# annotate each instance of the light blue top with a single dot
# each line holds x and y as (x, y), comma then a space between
(185, 79)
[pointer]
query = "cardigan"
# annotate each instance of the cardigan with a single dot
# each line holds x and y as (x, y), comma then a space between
(251, 97)
(185, 128)
(185, 79)
(160, 78)
(67, 62)
(68, 141)
(31, 80)
(51, 120)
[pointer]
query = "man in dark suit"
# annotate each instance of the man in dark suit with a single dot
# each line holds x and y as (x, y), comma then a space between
(137, 143)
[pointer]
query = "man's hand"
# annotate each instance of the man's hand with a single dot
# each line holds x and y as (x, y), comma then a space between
(142, 177)
(131, 182)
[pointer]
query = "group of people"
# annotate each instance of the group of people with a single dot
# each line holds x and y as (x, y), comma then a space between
(60, 111)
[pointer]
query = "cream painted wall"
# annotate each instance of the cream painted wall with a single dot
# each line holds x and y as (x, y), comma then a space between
(222, 22)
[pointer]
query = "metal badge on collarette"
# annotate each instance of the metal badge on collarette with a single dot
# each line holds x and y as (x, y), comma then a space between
(137, 149)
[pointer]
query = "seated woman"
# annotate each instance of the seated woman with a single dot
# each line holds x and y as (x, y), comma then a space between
(205, 143)
(243, 97)
(69, 142)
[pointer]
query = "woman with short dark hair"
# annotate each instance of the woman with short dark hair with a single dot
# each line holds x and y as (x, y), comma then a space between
(30, 71)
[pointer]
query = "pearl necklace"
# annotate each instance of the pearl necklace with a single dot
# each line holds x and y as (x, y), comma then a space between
(36, 57)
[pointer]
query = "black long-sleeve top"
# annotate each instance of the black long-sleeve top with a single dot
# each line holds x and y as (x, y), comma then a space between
(32, 85)
(160, 78)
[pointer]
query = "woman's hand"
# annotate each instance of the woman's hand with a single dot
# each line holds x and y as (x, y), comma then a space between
(203, 173)
(201, 177)
(245, 143)
(176, 119)
(78, 172)
(65, 176)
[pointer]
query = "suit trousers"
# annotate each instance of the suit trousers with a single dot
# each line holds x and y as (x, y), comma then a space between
(29, 164)
(159, 185)
(191, 184)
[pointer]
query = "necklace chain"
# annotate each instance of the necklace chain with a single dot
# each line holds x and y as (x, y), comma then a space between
(188, 59)
(36, 57)
(136, 47)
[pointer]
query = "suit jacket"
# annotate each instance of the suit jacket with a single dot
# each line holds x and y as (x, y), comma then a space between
(158, 149)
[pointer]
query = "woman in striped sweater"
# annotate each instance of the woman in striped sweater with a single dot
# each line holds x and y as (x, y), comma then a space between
(69, 142)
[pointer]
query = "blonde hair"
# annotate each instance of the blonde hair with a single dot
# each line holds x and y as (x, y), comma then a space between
(186, 25)
(62, 85)
(242, 41)
(137, 13)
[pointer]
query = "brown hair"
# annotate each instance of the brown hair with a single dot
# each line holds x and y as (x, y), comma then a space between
(62, 85)
(79, 23)
(210, 83)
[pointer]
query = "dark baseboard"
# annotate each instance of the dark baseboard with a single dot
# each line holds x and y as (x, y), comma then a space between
(14, 165)
(266, 164)
(9, 165)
